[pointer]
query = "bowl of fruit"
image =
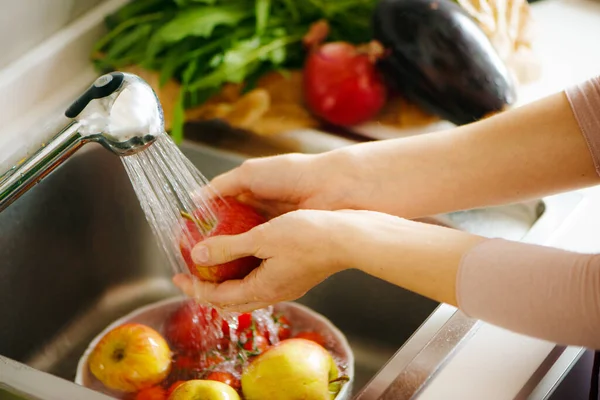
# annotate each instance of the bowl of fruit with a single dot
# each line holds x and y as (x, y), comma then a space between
(178, 349)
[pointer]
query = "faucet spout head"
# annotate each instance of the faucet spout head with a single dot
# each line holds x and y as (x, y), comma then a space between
(121, 112)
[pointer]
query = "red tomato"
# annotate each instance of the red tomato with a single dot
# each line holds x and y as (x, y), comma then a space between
(213, 359)
(224, 377)
(256, 342)
(284, 328)
(244, 322)
(314, 336)
(153, 393)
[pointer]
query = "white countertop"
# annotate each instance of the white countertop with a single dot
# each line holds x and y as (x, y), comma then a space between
(495, 363)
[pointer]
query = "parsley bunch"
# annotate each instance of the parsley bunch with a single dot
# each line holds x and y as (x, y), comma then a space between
(204, 44)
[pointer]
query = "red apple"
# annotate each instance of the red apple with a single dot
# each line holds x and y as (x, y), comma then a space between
(187, 366)
(194, 327)
(224, 377)
(130, 358)
(314, 336)
(153, 393)
(192, 365)
(232, 218)
(284, 327)
(174, 386)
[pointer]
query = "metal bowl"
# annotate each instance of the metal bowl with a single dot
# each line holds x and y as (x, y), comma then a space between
(301, 317)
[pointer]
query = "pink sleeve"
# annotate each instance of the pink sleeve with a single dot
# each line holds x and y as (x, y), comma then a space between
(540, 291)
(585, 103)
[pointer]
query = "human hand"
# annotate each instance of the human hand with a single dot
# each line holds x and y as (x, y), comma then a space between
(300, 249)
(279, 184)
(292, 263)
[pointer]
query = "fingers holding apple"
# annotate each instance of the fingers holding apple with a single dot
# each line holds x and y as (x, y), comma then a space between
(230, 217)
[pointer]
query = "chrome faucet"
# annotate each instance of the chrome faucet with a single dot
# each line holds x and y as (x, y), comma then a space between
(120, 111)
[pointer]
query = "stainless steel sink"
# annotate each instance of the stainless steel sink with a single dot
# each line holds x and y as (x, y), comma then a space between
(77, 253)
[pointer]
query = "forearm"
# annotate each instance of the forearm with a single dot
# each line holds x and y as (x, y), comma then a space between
(529, 152)
(419, 257)
(539, 291)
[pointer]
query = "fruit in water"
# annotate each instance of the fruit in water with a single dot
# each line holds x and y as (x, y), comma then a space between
(174, 386)
(187, 366)
(314, 336)
(284, 327)
(292, 369)
(190, 366)
(232, 217)
(254, 342)
(131, 357)
(153, 393)
(204, 390)
(226, 378)
(341, 82)
(244, 321)
(194, 327)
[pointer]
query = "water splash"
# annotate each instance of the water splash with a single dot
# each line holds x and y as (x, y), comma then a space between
(168, 186)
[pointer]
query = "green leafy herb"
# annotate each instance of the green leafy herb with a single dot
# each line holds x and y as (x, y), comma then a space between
(203, 44)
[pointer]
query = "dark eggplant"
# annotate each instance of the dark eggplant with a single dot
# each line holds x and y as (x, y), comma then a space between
(439, 58)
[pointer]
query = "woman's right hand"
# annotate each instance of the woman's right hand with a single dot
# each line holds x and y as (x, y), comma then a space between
(279, 184)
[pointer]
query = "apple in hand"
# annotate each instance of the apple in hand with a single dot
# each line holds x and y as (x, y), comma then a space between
(292, 369)
(232, 218)
(130, 358)
(204, 390)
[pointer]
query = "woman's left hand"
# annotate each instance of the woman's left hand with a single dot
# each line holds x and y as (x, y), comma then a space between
(302, 248)
(299, 249)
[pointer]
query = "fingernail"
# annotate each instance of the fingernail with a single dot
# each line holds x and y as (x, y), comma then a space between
(200, 254)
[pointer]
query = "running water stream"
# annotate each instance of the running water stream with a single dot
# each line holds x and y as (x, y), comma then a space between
(168, 186)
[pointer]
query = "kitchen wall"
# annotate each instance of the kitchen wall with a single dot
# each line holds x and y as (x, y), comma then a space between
(26, 23)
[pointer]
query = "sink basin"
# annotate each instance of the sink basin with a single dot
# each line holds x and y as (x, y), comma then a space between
(77, 254)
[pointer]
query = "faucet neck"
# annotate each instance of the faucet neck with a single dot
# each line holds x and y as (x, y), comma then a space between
(20, 178)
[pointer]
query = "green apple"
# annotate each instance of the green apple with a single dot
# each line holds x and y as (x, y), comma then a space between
(293, 369)
(198, 389)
